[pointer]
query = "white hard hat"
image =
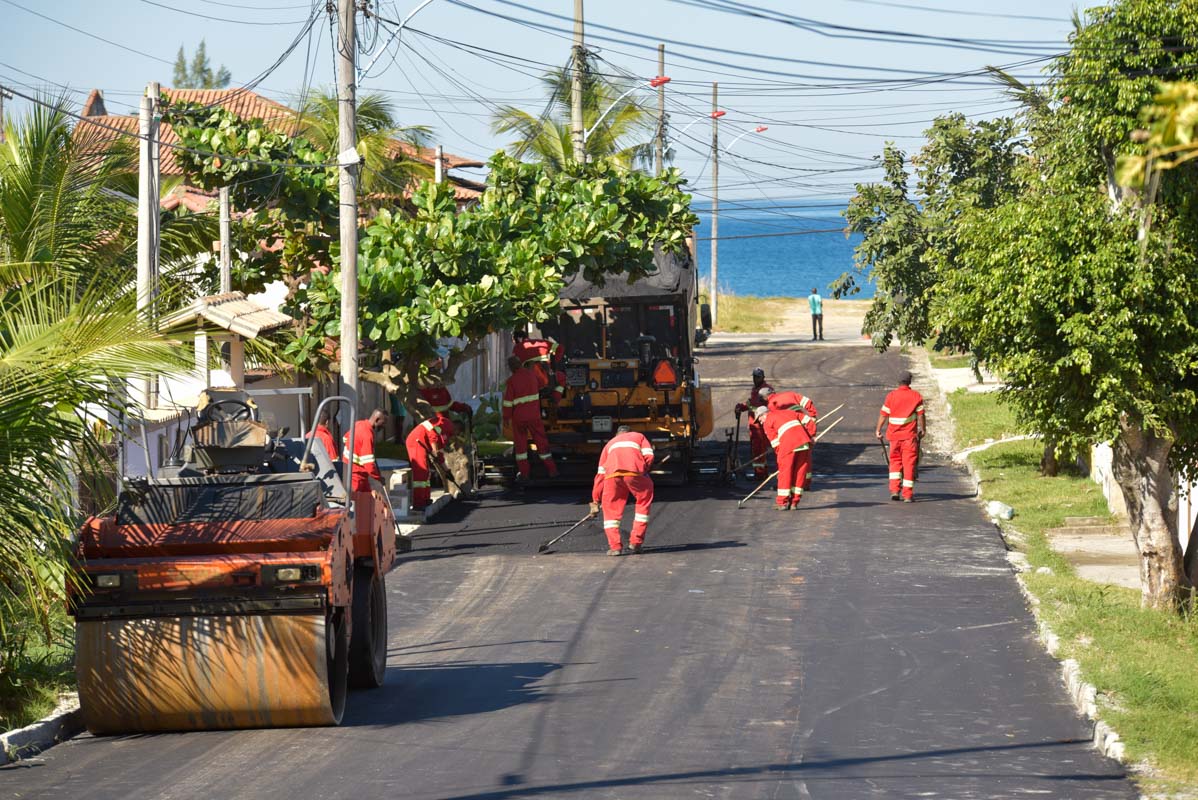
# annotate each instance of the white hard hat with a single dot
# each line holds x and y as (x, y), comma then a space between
(760, 412)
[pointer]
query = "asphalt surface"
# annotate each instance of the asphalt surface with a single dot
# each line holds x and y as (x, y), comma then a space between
(854, 648)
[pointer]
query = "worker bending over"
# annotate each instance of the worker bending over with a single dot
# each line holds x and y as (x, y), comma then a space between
(426, 442)
(623, 470)
(804, 406)
(792, 446)
(902, 413)
(758, 441)
(522, 409)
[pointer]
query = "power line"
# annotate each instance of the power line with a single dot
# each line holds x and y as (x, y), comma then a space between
(89, 33)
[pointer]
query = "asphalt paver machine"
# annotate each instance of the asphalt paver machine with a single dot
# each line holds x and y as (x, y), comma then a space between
(242, 586)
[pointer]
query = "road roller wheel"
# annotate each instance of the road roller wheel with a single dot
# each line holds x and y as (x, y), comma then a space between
(337, 657)
(368, 647)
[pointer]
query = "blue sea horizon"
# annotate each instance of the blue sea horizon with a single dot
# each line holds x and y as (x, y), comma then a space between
(778, 265)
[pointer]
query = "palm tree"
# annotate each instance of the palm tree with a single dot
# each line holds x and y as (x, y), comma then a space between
(624, 134)
(385, 145)
(69, 332)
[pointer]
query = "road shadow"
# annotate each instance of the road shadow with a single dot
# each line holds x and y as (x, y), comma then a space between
(422, 693)
(831, 769)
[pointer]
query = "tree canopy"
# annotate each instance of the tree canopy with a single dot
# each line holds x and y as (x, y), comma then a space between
(199, 73)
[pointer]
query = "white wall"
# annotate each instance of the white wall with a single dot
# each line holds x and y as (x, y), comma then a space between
(1101, 457)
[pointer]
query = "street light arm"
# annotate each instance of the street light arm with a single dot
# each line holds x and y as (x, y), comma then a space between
(658, 81)
(758, 129)
(395, 35)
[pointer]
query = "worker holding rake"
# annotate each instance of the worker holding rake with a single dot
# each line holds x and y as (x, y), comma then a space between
(792, 446)
(623, 470)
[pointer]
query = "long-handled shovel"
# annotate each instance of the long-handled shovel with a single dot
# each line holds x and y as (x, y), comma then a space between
(569, 530)
(741, 504)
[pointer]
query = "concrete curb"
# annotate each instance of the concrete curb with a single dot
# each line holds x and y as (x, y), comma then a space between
(64, 722)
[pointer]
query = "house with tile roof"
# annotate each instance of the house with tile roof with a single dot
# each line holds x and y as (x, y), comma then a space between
(249, 105)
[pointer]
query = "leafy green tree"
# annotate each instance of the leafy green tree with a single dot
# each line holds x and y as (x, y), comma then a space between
(447, 274)
(386, 168)
(199, 75)
(624, 134)
(1089, 315)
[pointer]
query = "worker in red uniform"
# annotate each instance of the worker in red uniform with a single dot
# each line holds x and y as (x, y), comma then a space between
(362, 457)
(624, 470)
(758, 442)
(792, 445)
(426, 441)
(522, 408)
(541, 355)
(902, 413)
(323, 435)
(804, 406)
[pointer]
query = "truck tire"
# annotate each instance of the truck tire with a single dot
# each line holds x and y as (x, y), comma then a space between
(705, 316)
(368, 643)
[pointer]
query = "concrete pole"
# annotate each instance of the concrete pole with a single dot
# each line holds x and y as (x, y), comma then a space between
(147, 222)
(659, 150)
(226, 250)
(348, 200)
(577, 125)
(439, 166)
(715, 203)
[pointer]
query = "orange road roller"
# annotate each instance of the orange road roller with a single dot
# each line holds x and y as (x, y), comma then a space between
(242, 586)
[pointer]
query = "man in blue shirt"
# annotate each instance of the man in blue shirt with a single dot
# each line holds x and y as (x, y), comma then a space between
(817, 315)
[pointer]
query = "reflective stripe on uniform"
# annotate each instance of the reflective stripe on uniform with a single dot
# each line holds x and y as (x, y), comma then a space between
(791, 424)
(507, 404)
(902, 420)
(360, 460)
(560, 389)
(784, 492)
(908, 484)
(528, 398)
(646, 451)
(798, 491)
(640, 517)
(894, 476)
(602, 469)
(885, 409)
(612, 523)
(545, 456)
(521, 456)
(617, 445)
(801, 448)
(420, 484)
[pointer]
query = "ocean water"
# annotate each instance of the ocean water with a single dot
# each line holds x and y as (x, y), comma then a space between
(778, 266)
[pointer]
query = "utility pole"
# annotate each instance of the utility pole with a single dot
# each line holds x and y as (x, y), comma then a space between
(147, 220)
(660, 147)
(715, 202)
(577, 125)
(3, 94)
(348, 200)
(226, 250)
(439, 167)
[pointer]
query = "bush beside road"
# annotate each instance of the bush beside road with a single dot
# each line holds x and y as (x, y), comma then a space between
(1140, 661)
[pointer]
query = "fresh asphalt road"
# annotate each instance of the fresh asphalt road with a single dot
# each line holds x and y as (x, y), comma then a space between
(854, 648)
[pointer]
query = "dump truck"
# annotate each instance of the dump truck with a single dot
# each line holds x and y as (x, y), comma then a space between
(242, 586)
(627, 357)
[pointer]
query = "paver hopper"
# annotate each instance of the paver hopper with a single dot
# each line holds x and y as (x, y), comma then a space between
(240, 587)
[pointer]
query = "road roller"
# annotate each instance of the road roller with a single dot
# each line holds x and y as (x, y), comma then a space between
(241, 586)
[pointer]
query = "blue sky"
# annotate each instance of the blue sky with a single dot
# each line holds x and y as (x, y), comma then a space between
(824, 123)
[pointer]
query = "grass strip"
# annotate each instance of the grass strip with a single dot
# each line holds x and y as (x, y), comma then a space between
(1140, 661)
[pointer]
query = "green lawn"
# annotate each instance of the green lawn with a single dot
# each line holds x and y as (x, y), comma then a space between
(1143, 663)
(32, 673)
(744, 314)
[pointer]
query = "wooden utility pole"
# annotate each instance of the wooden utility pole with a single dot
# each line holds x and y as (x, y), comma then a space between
(659, 150)
(715, 202)
(226, 248)
(348, 199)
(577, 124)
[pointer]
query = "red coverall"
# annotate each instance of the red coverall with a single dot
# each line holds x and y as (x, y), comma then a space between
(623, 470)
(804, 406)
(438, 397)
(362, 456)
(427, 437)
(792, 444)
(903, 407)
(522, 407)
(759, 444)
(325, 437)
(540, 355)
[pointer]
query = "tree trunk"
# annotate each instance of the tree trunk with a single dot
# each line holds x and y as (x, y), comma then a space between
(1048, 462)
(1141, 468)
